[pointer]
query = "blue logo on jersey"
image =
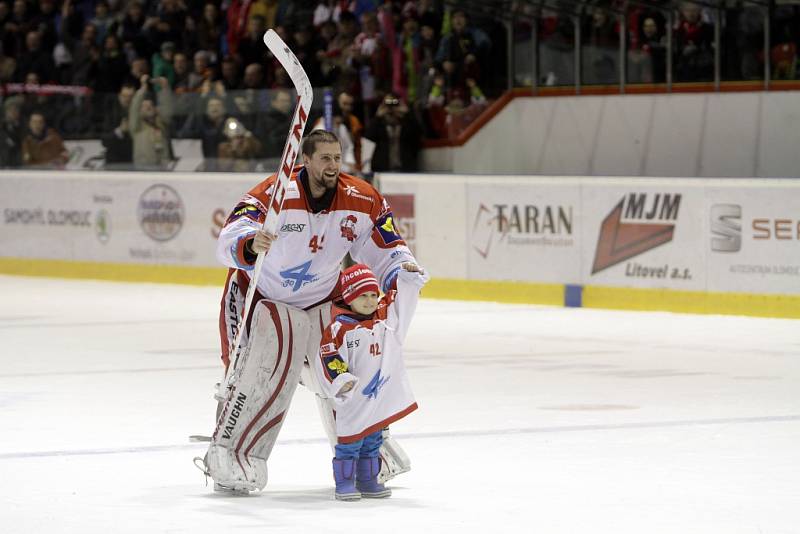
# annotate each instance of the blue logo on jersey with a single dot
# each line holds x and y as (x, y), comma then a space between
(298, 276)
(375, 385)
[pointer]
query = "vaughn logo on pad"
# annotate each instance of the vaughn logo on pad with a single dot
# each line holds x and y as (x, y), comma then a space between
(638, 223)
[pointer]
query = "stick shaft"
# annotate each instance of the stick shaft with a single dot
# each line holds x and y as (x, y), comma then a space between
(305, 97)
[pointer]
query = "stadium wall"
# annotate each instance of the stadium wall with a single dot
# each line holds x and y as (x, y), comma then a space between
(700, 245)
(736, 134)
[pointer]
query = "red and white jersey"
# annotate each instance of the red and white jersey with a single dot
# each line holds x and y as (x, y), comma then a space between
(303, 264)
(369, 353)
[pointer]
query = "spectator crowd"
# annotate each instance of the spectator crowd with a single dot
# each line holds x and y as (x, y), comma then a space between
(138, 74)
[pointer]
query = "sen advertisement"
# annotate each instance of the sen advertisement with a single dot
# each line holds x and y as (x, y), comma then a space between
(753, 238)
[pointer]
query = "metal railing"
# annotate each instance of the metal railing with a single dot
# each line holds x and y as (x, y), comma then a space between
(731, 28)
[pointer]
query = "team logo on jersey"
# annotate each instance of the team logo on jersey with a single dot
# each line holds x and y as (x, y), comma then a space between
(386, 229)
(375, 385)
(297, 277)
(337, 366)
(351, 191)
(244, 210)
(348, 227)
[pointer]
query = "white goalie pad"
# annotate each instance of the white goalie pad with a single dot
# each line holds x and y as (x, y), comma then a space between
(258, 397)
(394, 460)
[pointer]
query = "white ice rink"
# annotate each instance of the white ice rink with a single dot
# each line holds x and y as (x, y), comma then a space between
(532, 420)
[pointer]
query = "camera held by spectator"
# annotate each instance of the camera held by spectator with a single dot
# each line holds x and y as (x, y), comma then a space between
(396, 135)
(392, 109)
(239, 152)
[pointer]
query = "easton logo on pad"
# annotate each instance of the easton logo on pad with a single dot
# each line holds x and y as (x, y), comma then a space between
(635, 226)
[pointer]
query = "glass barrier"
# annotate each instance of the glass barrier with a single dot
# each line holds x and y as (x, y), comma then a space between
(562, 44)
(66, 127)
(661, 42)
(556, 46)
(784, 33)
(72, 128)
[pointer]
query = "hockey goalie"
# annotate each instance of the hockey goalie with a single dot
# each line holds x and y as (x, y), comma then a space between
(284, 243)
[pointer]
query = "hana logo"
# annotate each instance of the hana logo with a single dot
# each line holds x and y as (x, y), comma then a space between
(102, 226)
(161, 212)
(375, 385)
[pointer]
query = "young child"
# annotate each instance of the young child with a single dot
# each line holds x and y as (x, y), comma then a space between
(360, 365)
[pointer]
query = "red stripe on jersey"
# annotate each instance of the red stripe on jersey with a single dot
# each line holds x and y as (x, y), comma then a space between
(378, 426)
(241, 259)
(353, 194)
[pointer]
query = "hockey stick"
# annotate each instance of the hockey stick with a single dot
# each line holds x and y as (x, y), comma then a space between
(305, 96)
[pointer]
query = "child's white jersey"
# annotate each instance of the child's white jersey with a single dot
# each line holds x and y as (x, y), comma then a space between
(369, 353)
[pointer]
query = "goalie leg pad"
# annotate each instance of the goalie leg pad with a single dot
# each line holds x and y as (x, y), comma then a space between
(320, 318)
(258, 396)
(394, 460)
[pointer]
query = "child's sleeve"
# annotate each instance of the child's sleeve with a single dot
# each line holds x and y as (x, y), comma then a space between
(332, 365)
(404, 303)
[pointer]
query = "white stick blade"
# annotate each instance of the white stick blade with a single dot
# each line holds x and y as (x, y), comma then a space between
(290, 64)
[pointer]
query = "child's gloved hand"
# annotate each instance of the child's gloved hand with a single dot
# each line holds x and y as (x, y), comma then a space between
(414, 273)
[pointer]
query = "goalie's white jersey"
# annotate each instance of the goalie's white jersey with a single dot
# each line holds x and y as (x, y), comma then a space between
(303, 264)
(369, 354)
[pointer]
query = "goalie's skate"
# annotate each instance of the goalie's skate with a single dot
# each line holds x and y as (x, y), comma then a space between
(219, 488)
(200, 463)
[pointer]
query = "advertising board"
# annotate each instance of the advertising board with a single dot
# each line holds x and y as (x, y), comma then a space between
(753, 239)
(643, 234)
(526, 232)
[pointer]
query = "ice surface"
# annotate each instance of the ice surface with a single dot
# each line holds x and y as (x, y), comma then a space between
(532, 419)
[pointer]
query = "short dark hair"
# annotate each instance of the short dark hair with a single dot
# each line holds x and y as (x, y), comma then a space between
(317, 136)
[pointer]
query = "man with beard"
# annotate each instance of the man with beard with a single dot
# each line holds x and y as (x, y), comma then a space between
(326, 214)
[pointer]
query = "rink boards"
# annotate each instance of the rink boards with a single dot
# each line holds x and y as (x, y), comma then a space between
(692, 245)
